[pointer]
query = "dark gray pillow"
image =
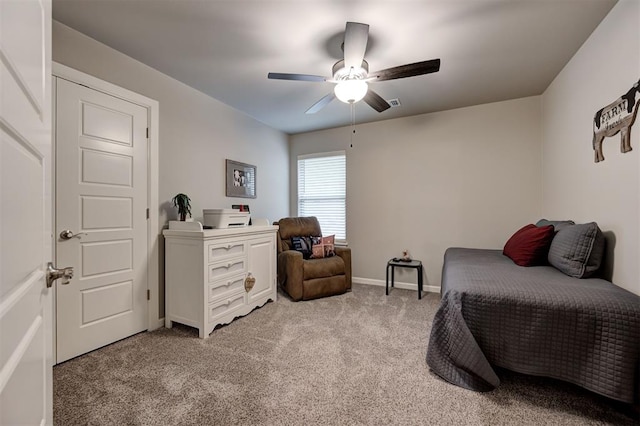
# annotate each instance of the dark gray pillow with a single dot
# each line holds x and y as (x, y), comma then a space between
(557, 224)
(577, 250)
(303, 245)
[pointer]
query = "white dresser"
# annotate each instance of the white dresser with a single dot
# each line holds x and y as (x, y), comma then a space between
(206, 274)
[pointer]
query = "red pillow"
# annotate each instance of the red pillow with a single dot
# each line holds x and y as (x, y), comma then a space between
(529, 245)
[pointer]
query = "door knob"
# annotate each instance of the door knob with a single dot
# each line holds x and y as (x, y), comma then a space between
(67, 234)
(53, 274)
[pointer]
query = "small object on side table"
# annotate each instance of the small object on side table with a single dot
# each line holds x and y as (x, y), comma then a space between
(406, 257)
(402, 263)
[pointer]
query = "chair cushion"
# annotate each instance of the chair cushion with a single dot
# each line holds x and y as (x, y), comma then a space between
(321, 268)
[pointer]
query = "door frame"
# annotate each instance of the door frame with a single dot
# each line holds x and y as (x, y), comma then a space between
(153, 235)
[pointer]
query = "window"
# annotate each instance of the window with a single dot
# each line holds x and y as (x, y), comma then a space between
(322, 191)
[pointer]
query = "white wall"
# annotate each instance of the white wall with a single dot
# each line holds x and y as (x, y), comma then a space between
(467, 177)
(575, 187)
(197, 134)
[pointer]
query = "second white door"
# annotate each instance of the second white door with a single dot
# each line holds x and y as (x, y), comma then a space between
(101, 214)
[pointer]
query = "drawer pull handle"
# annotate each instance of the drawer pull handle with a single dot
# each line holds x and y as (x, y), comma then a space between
(249, 282)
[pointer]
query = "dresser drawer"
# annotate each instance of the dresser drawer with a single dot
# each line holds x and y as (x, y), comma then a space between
(220, 251)
(227, 268)
(224, 288)
(226, 306)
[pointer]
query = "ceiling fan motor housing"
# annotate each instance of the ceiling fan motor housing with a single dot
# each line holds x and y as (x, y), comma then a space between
(342, 73)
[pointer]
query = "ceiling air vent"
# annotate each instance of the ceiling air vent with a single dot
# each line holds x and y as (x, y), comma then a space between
(394, 102)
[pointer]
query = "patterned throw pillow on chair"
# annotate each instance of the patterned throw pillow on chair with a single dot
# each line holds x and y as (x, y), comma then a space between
(323, 247)
(329, 245)
(303, 245)
(317, 250)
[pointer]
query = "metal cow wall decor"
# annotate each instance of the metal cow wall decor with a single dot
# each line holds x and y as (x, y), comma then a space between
(616, 117)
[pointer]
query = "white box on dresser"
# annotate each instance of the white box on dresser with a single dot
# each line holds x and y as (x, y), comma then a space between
(206, 274)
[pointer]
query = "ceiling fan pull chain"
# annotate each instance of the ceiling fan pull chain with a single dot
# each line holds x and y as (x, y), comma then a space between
(353, 122)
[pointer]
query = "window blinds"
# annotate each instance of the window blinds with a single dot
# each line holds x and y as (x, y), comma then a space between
(322, 182)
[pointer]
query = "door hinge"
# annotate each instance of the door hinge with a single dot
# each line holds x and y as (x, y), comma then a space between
(147, 212)
(148, 294)
(147, 133)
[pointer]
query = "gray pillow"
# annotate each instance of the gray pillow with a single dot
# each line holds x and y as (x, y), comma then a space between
(577, 250)
(557, 224)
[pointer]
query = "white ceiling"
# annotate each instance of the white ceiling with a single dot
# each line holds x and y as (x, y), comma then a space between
(491, 50)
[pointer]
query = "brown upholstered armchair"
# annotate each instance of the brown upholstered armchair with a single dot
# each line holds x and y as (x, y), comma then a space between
(305, 279)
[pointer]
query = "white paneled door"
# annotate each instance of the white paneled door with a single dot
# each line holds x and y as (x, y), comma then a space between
(101, 214)
(25, 213)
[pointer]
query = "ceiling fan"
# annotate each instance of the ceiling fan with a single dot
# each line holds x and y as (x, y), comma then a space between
(351, 75)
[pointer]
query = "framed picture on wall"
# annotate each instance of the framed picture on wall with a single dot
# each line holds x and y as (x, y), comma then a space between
(241, 179)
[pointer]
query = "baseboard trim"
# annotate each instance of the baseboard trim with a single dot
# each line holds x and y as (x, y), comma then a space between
(404, 286)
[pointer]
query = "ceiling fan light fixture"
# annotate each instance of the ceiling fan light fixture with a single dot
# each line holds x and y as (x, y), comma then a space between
(351, 91)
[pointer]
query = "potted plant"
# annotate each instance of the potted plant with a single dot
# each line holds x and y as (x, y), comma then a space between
(183, 203)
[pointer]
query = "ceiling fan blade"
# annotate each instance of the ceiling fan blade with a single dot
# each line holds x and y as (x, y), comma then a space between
(321, 103)
(298, 77)
(409, 70)
(356, 36)
(376, 101)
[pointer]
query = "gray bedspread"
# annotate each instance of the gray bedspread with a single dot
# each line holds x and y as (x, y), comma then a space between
(533, 320)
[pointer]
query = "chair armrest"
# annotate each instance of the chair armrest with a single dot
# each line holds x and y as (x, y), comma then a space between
(290, 272)
(345, 254)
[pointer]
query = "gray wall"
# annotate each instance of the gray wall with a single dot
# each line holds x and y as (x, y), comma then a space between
(197, 134)
(575, 187)
(467, 177)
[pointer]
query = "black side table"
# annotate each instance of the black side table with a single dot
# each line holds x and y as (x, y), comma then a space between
(415, 264)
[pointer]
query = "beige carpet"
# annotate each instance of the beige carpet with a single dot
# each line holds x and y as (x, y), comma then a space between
(356, 359)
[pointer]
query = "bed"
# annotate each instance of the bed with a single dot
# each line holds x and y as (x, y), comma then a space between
(533, 320)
